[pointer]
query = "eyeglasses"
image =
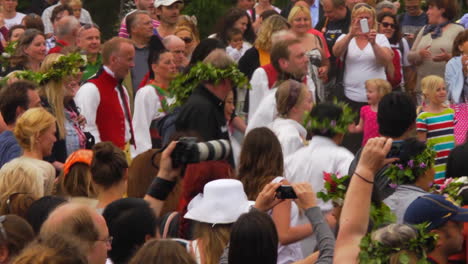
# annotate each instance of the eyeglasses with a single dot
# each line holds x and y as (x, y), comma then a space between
(2, 228)
(108, 240)
(187, 40)
(386, 25)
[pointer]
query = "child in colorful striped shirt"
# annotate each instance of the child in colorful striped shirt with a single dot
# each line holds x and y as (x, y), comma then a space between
(435, 122)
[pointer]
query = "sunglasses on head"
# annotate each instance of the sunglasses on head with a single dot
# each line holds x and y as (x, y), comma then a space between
(357, 6)
(386, 25)
(187, 40)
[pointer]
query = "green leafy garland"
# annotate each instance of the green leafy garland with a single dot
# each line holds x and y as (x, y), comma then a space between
(402, 173)
(184, 84)
(381, 215)
(7, 54)
(335, 189)
(374, 252)
(339, 126)
(451, 187)
(67, 65)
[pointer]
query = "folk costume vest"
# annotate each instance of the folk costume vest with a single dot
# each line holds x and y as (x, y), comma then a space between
(110, 118)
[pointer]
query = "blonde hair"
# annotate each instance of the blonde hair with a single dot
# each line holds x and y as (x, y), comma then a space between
(383, 86)
(287, 98)
(364, 8)
(20, 176)
(75, 2)
(271, 25)
(180, 28)
(53, 90)
(429, 84)
(214, 240)
(295, 11)
(31, 124)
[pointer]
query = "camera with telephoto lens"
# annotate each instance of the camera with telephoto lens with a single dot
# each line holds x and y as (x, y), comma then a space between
(315, 58)
(189, 151)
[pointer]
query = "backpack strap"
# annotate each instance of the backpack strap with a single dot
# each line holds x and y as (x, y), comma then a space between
(168, 223)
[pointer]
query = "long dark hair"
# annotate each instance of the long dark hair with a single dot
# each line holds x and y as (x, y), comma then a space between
(261, 160)
(253, 239)
(228, 21)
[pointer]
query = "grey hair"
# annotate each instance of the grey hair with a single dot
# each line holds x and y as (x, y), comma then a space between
(394, 235)
(280, 35)
(68, 25)
(385, 4)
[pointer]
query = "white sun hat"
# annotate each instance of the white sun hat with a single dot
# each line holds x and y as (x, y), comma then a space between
(221, 202)
(159, 3)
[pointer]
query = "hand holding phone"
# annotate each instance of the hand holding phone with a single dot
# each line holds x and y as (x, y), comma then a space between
(285, 192)
(364, 25)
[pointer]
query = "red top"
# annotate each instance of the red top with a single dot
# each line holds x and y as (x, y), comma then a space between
(59, 45)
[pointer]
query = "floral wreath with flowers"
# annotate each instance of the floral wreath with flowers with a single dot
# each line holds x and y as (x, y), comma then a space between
(451, 187)
(339, 126)
(184, 84)
(335, 188)
(374, 252)
(67, 65)
(404, 172)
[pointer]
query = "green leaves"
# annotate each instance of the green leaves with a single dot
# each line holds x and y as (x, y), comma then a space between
(184, 84)
(339, 126)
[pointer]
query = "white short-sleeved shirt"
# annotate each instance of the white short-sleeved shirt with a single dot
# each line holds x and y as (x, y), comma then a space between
(290, 134)
(360, 66)
(16, 20)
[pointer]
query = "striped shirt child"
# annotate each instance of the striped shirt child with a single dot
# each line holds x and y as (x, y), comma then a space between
(439, 129)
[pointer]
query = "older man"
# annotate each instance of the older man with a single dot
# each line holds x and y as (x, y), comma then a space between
(140, 30)
(141, 5)
(85, 17)
(66, 33)
(84, 224)
(89, 41)
(177, 47)
(104, 101)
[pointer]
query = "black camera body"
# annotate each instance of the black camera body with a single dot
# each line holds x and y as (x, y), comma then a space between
(315, 58)
(285, 192)
(189, 151)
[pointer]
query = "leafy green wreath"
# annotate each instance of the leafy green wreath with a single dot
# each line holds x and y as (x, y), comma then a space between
(184, 84)
(374, 252)
(401, 173)
(67, 65)
(339, 126)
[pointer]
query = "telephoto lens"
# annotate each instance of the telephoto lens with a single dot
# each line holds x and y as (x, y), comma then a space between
(189, 151)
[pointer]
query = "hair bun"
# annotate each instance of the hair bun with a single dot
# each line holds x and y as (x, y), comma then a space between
(104, 152)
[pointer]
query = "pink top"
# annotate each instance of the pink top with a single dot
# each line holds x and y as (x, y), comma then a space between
(371, 127)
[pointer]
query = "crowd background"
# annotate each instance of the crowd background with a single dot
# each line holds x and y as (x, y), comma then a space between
(170, 131)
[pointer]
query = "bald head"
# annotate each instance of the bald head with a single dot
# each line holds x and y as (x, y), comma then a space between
(82, 222)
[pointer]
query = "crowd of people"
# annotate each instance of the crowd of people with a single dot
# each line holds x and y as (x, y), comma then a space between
(330, 131)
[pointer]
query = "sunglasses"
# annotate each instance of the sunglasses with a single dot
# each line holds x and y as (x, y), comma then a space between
(2, 228)
(357, 6)
(386, 25)
(187, 40)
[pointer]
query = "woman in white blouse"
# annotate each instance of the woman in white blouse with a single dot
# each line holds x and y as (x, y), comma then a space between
(152, 101)
(364, 52)
(293, 99)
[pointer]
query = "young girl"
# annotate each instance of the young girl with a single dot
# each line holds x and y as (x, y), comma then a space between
(435, 122)
(236, 47)
(375, 90)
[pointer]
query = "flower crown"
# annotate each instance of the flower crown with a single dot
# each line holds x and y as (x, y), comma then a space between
(67, 65)
(374, 252)
(451, 187)
(183, 85)
(339, 126)
(401, 173)
(335, 189)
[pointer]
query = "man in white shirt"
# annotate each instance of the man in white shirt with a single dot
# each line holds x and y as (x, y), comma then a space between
(288, 61)
(104, 101)
(85, 17)
(10, 15)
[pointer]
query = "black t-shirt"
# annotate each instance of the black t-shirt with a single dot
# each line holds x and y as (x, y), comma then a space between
(334, 29)
(203, 113)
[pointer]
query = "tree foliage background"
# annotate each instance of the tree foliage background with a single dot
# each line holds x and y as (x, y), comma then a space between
(109, 13)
